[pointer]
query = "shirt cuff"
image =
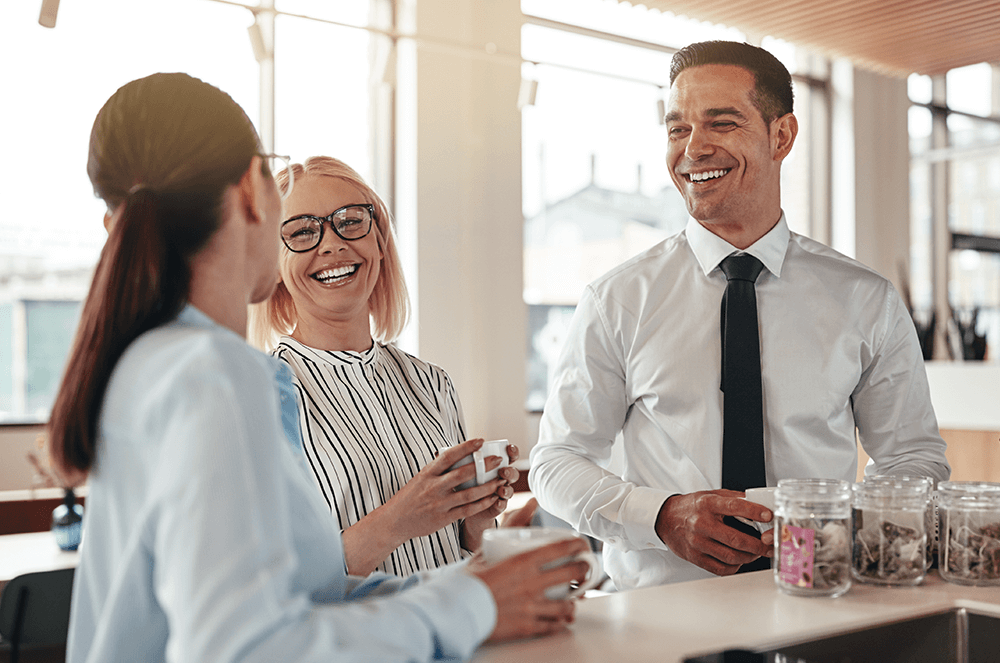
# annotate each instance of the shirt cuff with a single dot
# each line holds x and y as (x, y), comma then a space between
(639, 517)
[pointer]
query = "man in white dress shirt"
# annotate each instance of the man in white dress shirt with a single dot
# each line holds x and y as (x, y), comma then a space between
(641, 365)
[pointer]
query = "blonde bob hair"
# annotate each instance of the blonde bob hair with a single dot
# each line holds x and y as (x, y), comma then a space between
(389, 303)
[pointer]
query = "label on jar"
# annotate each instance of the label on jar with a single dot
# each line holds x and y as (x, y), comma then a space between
(796, 551)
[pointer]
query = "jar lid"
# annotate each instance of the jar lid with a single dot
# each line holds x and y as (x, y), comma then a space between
(815, 490)
(892, 479)
(986, 492)
(892, 493)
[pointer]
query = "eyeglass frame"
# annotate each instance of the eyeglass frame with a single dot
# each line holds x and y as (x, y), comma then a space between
(328, 219)
(288, 169)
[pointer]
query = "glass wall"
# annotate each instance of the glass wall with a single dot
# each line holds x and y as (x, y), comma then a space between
(955, 184)
(596, 188)
(56, 80)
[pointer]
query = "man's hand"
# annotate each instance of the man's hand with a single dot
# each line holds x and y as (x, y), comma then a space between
(691, 526)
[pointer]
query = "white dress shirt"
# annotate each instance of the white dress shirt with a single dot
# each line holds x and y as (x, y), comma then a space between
(206, 540)
(642, 364)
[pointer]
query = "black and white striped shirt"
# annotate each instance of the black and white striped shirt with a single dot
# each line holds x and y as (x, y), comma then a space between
(370, 421)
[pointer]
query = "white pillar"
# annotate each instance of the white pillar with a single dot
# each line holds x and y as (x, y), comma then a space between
(871, 170)
(459, 202)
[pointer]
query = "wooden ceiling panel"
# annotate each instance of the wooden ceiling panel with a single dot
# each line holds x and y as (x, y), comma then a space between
(895, 37)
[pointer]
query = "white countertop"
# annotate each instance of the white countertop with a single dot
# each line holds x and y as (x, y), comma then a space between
(965, 394)
(673, 622)
(28, 553)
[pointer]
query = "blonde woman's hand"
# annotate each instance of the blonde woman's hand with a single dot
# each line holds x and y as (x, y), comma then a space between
(476, 524)
(425, 504)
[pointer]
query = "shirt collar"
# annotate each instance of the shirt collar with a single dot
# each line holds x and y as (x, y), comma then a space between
(710, 249)
(195, 317)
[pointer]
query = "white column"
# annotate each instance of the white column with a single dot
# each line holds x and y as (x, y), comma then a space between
(871, 170)
(459, 202)
(882, 174)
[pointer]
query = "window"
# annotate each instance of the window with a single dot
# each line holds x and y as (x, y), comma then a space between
(51, 232)
(955, 207)
(596, 188)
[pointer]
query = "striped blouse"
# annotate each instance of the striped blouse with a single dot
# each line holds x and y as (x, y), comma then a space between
(370, 421)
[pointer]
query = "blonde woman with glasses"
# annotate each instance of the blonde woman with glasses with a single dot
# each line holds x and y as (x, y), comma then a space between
(373, 417)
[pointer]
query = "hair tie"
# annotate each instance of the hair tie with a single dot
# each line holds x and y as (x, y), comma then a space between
(137, 188)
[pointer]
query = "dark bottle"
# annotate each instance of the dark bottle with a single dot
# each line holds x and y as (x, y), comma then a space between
(67, 522)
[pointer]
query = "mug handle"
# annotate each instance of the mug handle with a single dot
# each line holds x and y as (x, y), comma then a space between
(593, 578)
(480, 461)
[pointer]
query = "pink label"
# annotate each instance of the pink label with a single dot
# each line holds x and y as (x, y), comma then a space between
(796, 550)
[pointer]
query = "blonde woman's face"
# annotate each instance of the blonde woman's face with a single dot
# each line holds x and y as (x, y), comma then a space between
(334, 280)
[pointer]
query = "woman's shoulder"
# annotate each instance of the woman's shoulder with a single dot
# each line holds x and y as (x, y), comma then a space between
(179, 368)
(391, 354)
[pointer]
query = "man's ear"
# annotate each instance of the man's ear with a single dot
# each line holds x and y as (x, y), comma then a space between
(783, 133)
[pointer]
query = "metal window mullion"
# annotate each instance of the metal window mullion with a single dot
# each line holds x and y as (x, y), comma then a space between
(265, 19)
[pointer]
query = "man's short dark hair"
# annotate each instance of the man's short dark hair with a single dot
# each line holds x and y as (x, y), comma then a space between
(772, 95)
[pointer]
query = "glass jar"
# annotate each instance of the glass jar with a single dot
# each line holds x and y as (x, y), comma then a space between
(889, 532)
(969, 551)
(931, 517)
(812, 547)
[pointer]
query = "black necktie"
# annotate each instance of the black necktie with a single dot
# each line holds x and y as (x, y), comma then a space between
(743, 412)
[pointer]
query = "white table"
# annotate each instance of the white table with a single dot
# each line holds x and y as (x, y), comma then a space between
(673, 622)
(28, 553)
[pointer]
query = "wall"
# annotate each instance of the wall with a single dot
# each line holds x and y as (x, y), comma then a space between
(459, 202)
(16, 473)
(871, 170)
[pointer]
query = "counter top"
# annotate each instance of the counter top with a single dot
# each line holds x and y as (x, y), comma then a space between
(28, 553)
(674, 622)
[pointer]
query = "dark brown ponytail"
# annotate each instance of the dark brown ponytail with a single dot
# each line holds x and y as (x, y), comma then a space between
(163, 151)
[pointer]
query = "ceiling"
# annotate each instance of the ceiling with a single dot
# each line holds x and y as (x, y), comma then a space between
(894, 37)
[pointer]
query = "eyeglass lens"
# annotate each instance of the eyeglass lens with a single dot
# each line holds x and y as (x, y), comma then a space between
(304, 232)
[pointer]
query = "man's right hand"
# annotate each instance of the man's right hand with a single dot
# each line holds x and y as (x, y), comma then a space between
(691, 526)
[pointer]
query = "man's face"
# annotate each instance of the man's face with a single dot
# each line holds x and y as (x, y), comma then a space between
(722, 158)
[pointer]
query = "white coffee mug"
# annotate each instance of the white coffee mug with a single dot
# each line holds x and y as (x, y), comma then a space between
(491, 448)
(504, 542)
(764, 497)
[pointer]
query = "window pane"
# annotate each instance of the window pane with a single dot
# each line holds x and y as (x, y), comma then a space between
(63, 78)
(919, 88)
(969, 89)
(974, 290)
(322, 108)
(920, 123)
(351, 13)
(974, 207)
(967, 131)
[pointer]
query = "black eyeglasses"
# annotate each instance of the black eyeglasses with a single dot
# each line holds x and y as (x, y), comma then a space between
(304, 232)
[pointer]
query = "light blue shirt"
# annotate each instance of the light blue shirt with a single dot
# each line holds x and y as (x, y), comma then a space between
(205, 540)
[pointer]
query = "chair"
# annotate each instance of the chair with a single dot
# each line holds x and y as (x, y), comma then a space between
(34, 610)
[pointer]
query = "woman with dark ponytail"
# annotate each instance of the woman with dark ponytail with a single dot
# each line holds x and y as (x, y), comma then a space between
(205, 539)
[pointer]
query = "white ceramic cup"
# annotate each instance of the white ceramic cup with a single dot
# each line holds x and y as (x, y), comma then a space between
(490, 448)
(764, 497)
(504, 542)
